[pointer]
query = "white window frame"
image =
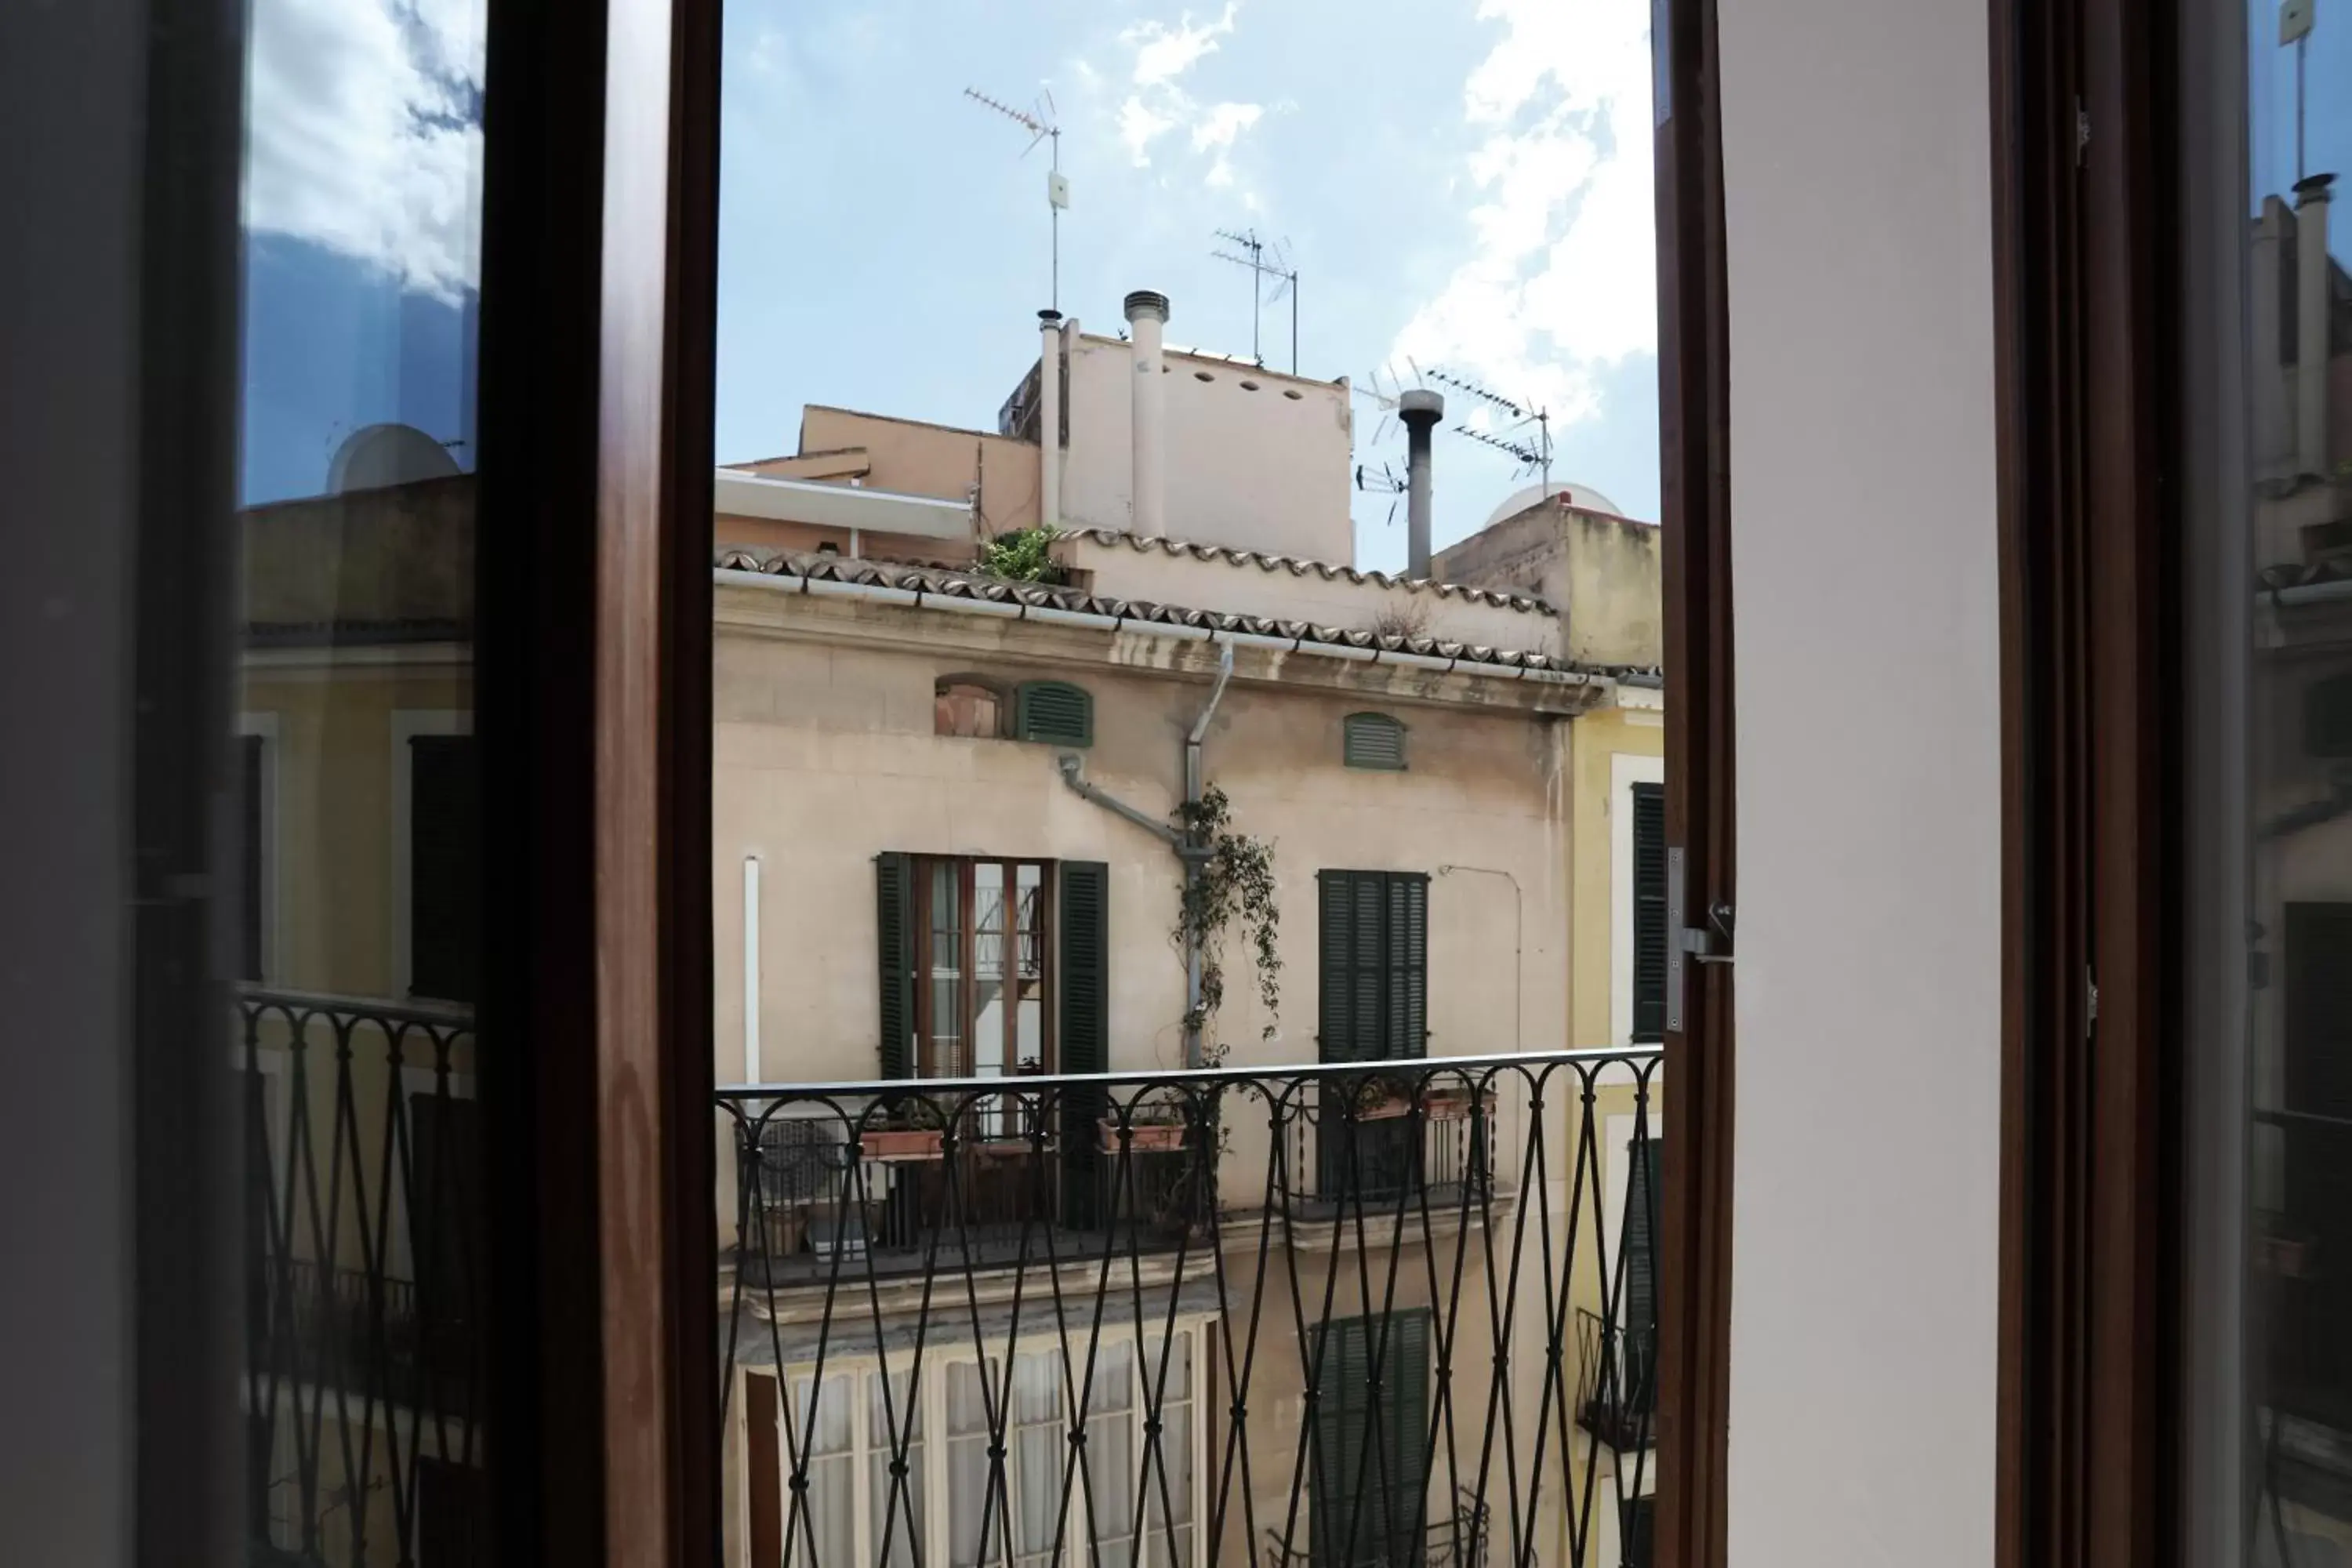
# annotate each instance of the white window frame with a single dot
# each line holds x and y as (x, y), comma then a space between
(406, 724)
(264, 726)
(1625, 770)
(937, 1361)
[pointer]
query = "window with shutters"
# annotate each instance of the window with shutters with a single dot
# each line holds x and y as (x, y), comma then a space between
(1636, 1336)
(1055, 712)
(1649, 911)
(1372, 740)
(444, 925)
(977, 955)
(1373, 962)
(1369, 1475)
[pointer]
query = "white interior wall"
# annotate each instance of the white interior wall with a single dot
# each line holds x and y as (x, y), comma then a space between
(1856, 151)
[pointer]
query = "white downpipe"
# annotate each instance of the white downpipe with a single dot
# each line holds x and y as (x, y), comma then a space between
(2313, 273)
(751, 969)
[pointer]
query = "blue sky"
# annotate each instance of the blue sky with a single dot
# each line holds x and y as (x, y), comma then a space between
(1465, 183)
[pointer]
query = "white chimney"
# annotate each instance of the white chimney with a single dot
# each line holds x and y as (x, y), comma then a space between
(2274, 439)
(1049, 418)
(1147, 313)
(1420, 410)
(2311, 323)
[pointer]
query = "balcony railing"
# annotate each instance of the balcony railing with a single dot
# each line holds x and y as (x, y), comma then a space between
(1616, 1381)
(1326, 1313)
(364, 1277)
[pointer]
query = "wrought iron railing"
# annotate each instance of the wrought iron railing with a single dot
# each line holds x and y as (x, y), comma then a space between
(1617, 1380)
(363, 1277)
(1322, 1313)
(1454, 1540)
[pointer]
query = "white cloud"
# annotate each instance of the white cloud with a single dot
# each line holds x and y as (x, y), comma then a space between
(1163, 53)
(365, 133)
(1158, 104)
(1560, 282)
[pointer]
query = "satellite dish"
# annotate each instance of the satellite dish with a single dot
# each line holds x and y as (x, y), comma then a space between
(378, 457)
(1584, 498)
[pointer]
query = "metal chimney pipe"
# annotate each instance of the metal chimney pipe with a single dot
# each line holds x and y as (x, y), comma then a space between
(1049, 418)
(1147, 313)
(2311, 323)
(1420, 410)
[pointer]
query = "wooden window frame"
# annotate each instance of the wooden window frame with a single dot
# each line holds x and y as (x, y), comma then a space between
(2086, 370)
(967, 871)
(1695, 1225)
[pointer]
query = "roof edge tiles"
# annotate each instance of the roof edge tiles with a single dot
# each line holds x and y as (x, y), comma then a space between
(946, 584)
(1299, 566)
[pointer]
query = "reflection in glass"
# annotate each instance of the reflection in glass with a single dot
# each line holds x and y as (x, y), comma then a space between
(2298, 544)
(359, 952)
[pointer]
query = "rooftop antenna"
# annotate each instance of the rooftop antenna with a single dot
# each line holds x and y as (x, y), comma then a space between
(1042, 126)
(1385, 479)
(1533, 456)
(1279, 269)
(1382, 387)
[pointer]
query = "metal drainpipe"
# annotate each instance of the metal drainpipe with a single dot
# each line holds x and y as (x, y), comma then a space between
(1192, 852)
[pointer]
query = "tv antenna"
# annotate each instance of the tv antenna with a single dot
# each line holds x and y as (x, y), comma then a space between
(1533, 454)
(1386, 392)
(1385, 479)
(1265, 259)
(1042, 126)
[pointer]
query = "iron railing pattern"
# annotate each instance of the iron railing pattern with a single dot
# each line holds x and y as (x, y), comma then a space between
(363, 1377)
(1354, 1298)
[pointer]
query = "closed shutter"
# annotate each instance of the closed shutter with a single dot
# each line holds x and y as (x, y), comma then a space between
(1369, 1483)
(445, 868)
(1372, 740)
(1649, 911)
(1374, 965)
(1084, 1021)
(1637, 1308)
(1053, 711)
(2318, 1015)
(894, 933)
(253, 824)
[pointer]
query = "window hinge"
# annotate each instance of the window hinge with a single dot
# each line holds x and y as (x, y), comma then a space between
(2081, 131)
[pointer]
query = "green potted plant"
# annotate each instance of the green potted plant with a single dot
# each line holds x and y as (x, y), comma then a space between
(1383, 1097)
(913, 1129)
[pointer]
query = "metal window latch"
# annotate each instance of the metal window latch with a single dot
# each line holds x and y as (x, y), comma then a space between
(1687, 943)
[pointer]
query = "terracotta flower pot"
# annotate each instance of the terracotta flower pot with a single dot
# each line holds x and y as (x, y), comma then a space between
(1456, 1106)
(1147, 1136)
(1386, 1110)
(901, 1143)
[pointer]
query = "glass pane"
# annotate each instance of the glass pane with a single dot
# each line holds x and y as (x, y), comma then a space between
(1125, 434)
(360, 944)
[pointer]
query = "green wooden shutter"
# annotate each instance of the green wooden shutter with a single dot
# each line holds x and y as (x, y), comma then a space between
(1649, 911)
(1637, 1308)
(445, 868)
(1405, 959)
(1053, 711)
(1083, 954)
(894, 925)
(1334, 1030)
(1373, 1494)
(1372, 740)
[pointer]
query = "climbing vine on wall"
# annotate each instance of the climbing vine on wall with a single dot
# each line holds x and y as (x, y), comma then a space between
(1234, 887)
